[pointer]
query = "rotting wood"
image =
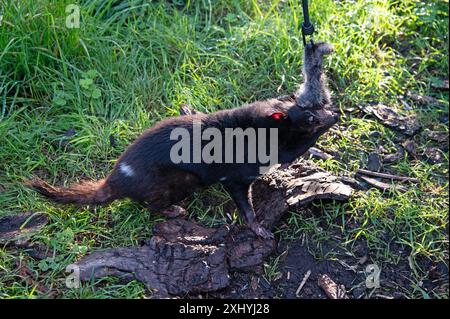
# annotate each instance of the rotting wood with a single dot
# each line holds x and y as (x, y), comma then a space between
(185, 257)
(331, 289)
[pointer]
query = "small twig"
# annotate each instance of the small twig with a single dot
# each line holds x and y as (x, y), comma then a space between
(388, 176)
(305, 278)
(381, 185)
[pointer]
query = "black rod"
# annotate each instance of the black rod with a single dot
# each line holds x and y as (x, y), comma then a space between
(307, 27)
(306, 22)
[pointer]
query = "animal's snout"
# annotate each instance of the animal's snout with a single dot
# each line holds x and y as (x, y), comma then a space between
(336, 117)
(326, 117)
(326, 48)
(314, 118)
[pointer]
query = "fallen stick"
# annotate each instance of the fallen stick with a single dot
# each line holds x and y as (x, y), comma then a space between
(383, 186)
(388, 176)
(17, 228)
(16, 231)
(305, 278)
(331, 289)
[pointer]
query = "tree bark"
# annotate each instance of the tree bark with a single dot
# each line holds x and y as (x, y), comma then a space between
(184, 257)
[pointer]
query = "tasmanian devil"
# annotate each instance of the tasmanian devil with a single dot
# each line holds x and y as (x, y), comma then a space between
(158, 170)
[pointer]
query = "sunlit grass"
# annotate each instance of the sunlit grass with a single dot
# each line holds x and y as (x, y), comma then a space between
(152, 57)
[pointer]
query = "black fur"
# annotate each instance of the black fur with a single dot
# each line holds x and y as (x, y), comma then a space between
(159, 183)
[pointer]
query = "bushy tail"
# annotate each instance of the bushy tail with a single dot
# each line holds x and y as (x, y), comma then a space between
(97, 193)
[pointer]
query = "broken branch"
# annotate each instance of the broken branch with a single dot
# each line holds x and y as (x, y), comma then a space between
(388, 176)
(305, 278)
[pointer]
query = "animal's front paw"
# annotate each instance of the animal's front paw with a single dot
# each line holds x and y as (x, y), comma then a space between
(261, 231)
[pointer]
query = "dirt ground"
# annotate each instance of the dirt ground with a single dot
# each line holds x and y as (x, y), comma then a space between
(346, 268)
(394, 280)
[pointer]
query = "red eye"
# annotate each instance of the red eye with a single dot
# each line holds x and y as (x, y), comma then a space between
(277, 116)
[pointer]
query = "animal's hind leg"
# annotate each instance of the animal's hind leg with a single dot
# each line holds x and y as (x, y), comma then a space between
(169, 188)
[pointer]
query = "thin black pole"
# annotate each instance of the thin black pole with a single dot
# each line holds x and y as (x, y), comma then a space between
(307, 27)
(306, 22)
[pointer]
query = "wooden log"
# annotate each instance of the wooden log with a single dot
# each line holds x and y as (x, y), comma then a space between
(184, 257)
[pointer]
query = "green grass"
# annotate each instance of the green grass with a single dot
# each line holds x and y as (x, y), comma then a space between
(148, 58)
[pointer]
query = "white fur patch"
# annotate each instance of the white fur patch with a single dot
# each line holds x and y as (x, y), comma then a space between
(126, 169)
